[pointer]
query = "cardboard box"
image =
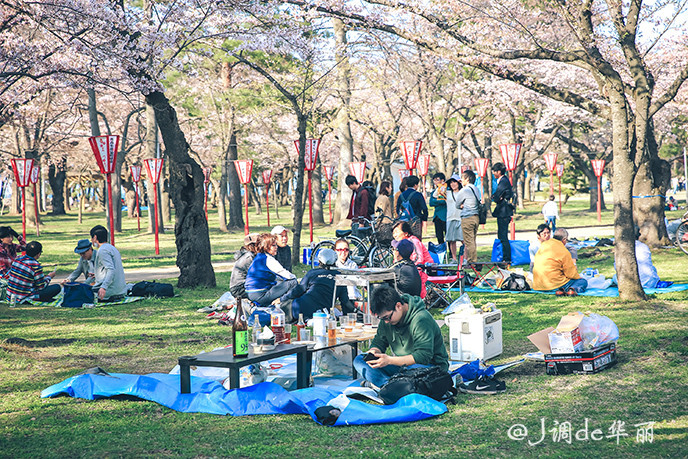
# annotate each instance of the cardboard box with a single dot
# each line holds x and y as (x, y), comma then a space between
(474, 335)
(585, 362)
(567, 338)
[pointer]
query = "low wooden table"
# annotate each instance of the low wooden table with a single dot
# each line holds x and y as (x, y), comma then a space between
(223, 358)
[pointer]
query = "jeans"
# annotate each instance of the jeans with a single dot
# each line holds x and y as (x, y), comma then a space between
(579, 285)
(552, 222)
(378, 376)
(266, 297)
(503, 236)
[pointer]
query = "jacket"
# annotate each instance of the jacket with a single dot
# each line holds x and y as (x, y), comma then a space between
(417, 202)
(453, 212)
(26, 277)
(552, 266)
(316, 291)
(385, 203)
(243, 258)
(407, 276)
(359, 204)
(84, 267)
(440, 205)
(284, 257)
(417, 334)
(502, 198)
(109, 272)
(263, 273)
(468, 198)
(8, 253)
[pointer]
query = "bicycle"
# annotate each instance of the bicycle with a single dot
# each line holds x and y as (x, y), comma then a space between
(681, 237)
(374, 248)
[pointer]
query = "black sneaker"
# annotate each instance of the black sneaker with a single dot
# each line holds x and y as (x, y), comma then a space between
(482, 385)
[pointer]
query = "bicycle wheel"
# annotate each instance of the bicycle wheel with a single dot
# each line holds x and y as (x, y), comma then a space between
(381, 257)
(314, 253)
(358, 250)
(682, 236)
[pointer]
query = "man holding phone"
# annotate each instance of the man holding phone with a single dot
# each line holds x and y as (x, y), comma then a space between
(408, 329)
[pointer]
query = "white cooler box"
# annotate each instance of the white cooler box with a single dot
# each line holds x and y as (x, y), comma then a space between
(474, 336)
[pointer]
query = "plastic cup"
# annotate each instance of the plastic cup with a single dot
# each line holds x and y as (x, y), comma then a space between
(287, 333)
(352, 317)
(375, 321)
(305, 334)
(367, 319)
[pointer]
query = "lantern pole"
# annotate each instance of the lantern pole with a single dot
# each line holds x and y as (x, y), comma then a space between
(157, 241)
(23, 190)
(111, 216)
(329, 197)
(559, 177)
(138, 209)
(599, 198)
(310, 205)
(246, 206)
(205, 204)
(35, 208)
(267, 200)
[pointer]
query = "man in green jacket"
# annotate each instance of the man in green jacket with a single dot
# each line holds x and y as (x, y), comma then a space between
(408, 329)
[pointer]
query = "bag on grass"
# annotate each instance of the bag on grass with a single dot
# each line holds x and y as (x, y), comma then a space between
(430, 381)
(76, 294)
(515, 282)
(145, 288)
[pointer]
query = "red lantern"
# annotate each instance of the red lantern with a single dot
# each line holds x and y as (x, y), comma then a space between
(403, 173)
(598, 168)
(22, 174)
(206, 174)
(510, 153)
(206, 180)
(35, 170)
(243, 169)
(104, 148)
(423, 165)
(411, 151)
(154, 170)
(329, 172)
(551, 161)
(481, 166)
(135, 177)
(358, 170)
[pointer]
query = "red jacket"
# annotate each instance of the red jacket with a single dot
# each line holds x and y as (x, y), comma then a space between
(359, 204)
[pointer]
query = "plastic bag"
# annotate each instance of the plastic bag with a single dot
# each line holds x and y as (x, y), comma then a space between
(227, 299)
(461, 303)
(597, 330)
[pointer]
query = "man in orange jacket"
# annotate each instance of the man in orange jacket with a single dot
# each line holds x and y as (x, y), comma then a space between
(553, 268)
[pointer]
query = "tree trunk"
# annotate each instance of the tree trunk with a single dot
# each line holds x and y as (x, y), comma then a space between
(236, 205)
(318, 218)
(57, 176)
(650, 186)
(221, 197)
(298, 193)
(187, 193)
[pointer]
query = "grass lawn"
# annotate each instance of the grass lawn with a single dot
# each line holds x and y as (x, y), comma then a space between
(40, 347)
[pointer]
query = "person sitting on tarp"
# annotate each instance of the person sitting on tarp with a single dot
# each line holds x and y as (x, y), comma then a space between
(283, 249)
(316, 289)
(244, 258)
(8, 249)
(267, 279)
(420, 255)
(543, 233)
(553, 268)
(563, 235)
(109, 283)
(405, 271)
(26, 279)
(85, 250)
(409, 330)
(646, 270)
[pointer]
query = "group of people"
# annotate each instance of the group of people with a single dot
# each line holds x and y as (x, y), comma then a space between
(23, 277)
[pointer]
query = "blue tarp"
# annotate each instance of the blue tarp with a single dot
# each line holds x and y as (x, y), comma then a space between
(610, 291)
(208, 396)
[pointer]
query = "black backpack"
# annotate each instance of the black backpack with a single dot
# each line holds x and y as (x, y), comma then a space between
(430, 381)
(482, 209)
(145, 288)
(372, 197)
(515, 282)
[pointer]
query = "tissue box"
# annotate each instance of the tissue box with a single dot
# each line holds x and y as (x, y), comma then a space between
(586, 362)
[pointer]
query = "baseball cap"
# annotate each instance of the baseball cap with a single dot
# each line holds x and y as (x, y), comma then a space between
(251, 238)
(82, 246)
(404, 247)
(279, 229)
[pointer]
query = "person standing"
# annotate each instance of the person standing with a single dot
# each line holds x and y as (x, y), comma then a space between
(109, 272)
(8, 249)
(283, 249)
(551, 211)
(503, 210)
(454, 229)
(467, 201)
(358, 208)
(412, 199)
(384, 202)
(438, 200)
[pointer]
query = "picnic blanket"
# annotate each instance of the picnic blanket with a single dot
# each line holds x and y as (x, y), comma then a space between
(208, 396)
(609, 292)
(57, 301)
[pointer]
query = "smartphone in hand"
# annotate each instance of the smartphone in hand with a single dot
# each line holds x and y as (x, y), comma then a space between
(369, 356)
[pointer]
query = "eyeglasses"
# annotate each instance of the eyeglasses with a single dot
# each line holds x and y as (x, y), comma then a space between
(388, 317)
(341, 250)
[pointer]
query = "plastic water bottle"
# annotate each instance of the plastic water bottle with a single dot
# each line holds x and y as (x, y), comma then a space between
(13, 300)
(319, 324)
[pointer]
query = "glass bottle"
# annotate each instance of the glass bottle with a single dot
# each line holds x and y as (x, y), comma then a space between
(240, 332)
(300, 326)
(256, 328)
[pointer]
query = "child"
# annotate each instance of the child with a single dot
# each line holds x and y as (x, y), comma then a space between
(551, 212)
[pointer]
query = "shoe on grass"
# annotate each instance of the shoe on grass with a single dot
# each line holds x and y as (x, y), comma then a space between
(483, 386)
(571, 292)
(211, 308)
(560, 292)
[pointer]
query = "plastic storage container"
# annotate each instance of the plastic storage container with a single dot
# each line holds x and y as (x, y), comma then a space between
(319, 324)
(474, 335)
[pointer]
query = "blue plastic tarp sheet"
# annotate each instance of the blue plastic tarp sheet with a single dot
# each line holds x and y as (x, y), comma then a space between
(609, 292)
(208, 396)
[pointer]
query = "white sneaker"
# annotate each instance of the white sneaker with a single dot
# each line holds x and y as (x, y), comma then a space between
(370, 385)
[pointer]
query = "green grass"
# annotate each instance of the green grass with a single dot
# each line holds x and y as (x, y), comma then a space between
(40, 347)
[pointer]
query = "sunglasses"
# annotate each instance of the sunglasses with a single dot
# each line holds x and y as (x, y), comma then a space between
(342, 250)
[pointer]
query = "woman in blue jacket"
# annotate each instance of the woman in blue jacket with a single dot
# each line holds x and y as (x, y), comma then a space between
(267, 280)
